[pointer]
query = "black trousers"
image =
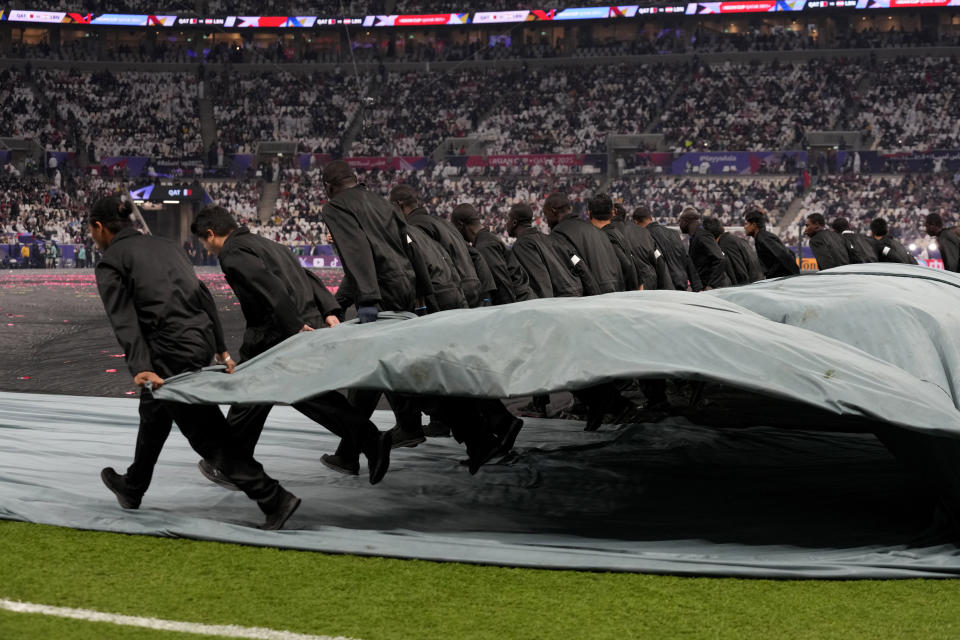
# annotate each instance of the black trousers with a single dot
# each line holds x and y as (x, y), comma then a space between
(330, 410)
(207, 431)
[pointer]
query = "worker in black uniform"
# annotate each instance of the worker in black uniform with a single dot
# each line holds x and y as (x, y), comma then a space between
(405, 198)
(552, 274)
(579, 240)
(387, 272)
(585, 241)
(513, 283)
(279, 299)
(890, 248)
(682, 272)
(705, 253)
(776, 259)
(948, 242)
(827, 246)
(860, 248)
(651, 267)
(743, 266)
(166, 321)
(600, 209)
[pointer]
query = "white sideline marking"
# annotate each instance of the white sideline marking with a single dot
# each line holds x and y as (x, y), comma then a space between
(229, 630)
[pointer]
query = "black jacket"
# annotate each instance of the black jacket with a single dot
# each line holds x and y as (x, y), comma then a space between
(652, 268)
(628, 267)
(592, 247)
(443, 232)
(371, 238)
(488, 286)
(776, 259)
(276, 294)
(949, 244)
(678, 260)
(860, 248)
(892, 251)
(551, 273)
(709, 260)
(829, 249)
(442, 274)
(743, 266)
(164, 318)
(512, 282)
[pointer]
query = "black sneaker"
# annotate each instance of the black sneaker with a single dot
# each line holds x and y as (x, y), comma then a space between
(378, 459)
(437, 429)
(481, 454)
(404, 438)
(117, 483)
(276, 519)
(340, 465)
(216, 476)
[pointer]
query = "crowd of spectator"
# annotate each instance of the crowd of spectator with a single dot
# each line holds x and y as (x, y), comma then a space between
(124, 113)
(416, 111)
(911, 102)
(755, 106)
(242, 197)
(572, 109)
(310, 109)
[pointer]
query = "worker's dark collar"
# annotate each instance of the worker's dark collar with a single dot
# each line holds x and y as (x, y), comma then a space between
(239, 231)
(123, 234)
(526, 231)
(419, 211)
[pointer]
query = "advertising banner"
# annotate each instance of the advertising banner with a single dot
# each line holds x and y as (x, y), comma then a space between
(274, 22)
(406, 163)
(735, 162)
(749, 6)
(424, 20)
(597, 13)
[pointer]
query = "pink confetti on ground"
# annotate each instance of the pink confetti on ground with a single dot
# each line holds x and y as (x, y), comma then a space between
(130, 393)
(111, 370)
(23, 378)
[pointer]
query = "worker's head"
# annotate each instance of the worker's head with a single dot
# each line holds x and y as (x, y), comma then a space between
(213, 225)
(879, 228)
(840, 224)
(519, 218)
(467, 221)
(642, 215)
(405, 198)
(689, 220)
(934, 224)
(556, 208)
(337, 177)
(754, 221)
(713, 226)
(815, 224)
(107, 218)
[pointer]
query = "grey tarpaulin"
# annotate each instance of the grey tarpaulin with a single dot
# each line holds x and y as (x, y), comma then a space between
(802, 488)
(666, 498)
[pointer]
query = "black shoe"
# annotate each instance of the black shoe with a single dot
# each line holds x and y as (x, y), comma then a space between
(481, 454)
(276, 519)
(508, 439)
(338, 464)
(117, 483)
(378, 459)
(403, 438)
(216, 476)
(436, 429)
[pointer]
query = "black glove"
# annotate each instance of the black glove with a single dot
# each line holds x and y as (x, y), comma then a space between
(367, 314)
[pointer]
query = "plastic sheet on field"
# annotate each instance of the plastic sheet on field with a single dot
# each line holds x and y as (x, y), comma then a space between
(670, 498)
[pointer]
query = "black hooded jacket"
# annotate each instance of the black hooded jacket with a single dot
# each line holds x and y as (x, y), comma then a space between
(592, 247)
(164, 318)
(277, 295)
(443, 232)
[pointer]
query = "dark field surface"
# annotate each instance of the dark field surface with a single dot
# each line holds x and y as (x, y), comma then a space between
(55, 338)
